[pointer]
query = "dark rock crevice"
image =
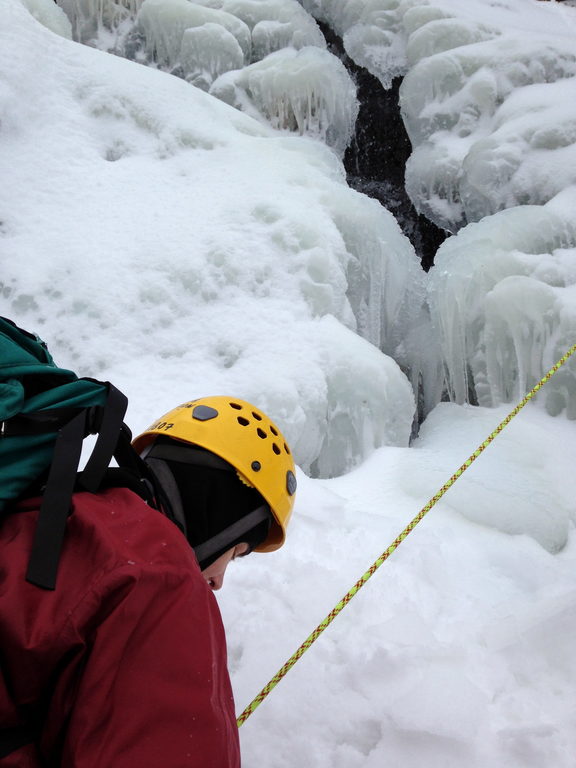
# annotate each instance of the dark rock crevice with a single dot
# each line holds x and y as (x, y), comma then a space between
(376, 158)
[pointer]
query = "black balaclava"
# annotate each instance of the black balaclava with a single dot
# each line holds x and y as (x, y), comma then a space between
(210, 500)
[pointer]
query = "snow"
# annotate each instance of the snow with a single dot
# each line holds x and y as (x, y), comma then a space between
(459, 649)
(158, 238)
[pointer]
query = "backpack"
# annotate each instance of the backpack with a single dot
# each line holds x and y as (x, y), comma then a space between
(45, 414)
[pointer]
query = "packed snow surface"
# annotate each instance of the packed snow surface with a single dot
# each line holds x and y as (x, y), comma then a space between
(156, 237)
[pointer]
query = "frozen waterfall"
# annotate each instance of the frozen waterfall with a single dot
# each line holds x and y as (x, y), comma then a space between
(489, 112)
(503, 298)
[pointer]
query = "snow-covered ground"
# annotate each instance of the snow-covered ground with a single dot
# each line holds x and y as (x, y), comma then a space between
(160, 238)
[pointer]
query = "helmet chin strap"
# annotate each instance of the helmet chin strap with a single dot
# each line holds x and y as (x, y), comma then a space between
(157, 457)
(222, 540)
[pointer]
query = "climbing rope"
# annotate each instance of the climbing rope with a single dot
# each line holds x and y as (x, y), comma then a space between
(395, 544)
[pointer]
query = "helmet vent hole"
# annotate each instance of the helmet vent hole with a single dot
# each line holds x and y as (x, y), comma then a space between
(273, 430)
(276, 450)
(256, 416)
(236, 406)
(261, 433)
(286, 449)
(244, 422)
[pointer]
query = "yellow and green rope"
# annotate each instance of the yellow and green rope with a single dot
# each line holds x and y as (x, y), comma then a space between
(395, 544)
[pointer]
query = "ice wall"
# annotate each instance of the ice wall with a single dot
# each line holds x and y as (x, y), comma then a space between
(306, 92)
(489, 107)
(160, 239)
(487, 100)
(503, 298)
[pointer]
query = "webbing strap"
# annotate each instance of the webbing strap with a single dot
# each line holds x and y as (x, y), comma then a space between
(62, 478)
(41, 422)
(234, 531)
(108, 431)
(395, 544)
(51, 525)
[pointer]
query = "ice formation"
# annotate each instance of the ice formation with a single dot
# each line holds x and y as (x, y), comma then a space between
(165, 24)
(223, 244)
(90, 17)
(503, 298)
(307, 91)
(50, 16)
(274, 24)
(489, 110)
(371, 30)
(195, 39)
(488, 98)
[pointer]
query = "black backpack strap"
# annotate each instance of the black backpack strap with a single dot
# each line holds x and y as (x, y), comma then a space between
(41, 422)
(62, 478)
(49, 534)
(108, 432)
(128, 458)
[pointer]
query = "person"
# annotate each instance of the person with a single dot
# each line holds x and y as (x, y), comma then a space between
(124, 663)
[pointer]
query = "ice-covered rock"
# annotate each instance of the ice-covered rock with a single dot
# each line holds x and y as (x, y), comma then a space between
(307, 92)
(182, 36)
(387, 289)
(503, 298)
(274, 24)
(50, 16)
(487, 100)
(529, 155)
(259, 27)
(188, 249)
(91, 17)
(489, 109)
(165, 23)
(372, 32)
(206, 52)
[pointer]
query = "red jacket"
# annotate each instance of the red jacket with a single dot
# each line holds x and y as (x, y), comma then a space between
(130, 646)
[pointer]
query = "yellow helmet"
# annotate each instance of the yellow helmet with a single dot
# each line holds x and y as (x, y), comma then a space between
(244, 436)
